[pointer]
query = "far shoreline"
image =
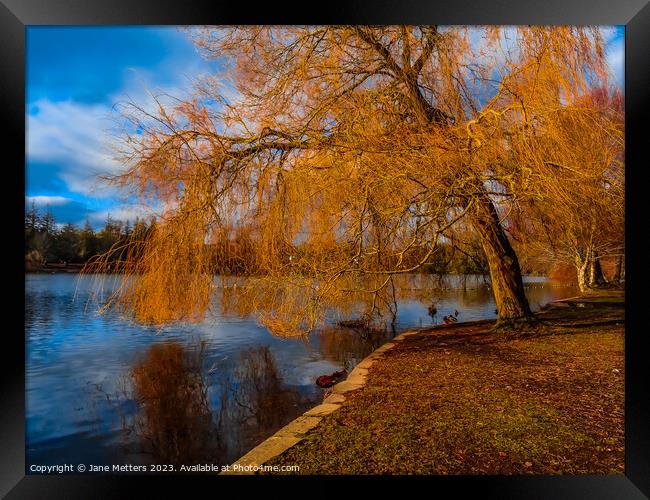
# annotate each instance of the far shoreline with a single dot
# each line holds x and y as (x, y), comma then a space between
(74, 268)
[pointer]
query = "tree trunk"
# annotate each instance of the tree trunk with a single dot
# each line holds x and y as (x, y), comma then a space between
(505, 273)
(619, 267)
(623, 269)
(596, 277)
(582, 268)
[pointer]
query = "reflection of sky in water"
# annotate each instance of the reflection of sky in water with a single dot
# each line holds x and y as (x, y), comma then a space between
(75, 357)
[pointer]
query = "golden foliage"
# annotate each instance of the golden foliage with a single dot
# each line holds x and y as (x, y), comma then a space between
(345, 154)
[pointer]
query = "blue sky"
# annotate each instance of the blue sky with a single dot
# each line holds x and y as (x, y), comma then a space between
(75, 75)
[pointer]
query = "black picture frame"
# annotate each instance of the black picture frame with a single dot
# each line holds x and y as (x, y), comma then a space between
(15, 15)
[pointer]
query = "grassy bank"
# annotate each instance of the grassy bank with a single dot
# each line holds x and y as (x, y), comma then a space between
(465, 400)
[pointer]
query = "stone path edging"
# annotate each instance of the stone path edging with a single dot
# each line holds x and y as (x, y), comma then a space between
(295, 431)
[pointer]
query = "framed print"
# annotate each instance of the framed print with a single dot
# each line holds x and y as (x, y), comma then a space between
(375, 239)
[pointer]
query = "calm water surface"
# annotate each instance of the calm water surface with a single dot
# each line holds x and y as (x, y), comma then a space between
(103, 390)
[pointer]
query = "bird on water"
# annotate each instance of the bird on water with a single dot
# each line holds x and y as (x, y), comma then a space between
(326, 381)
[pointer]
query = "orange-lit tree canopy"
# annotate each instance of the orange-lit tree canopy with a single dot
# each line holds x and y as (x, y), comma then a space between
(580, 217)
(346, 154)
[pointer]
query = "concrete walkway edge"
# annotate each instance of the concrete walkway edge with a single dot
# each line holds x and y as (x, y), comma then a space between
(295, 431)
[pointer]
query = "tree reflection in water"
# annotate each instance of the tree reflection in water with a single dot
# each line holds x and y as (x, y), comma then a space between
(258, 403)
(285, 311)
(186, 414)
(174, 421)
(348, 346)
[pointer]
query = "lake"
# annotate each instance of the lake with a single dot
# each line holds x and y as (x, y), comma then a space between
(103, 390)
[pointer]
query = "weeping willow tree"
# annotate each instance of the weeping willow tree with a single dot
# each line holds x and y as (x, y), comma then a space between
(347, 155)
(581, 218)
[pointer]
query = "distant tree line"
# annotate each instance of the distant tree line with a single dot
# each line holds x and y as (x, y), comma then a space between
(237, 251)
(49, 242)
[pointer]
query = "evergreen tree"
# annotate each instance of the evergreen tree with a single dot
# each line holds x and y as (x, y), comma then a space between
(66, 244)
(88, 244)
(48, 223)
(32, 218)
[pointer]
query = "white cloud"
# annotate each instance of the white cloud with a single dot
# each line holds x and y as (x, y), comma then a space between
(81, 139)
(74, 136)
(47, 200)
